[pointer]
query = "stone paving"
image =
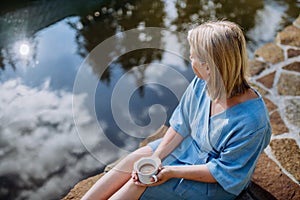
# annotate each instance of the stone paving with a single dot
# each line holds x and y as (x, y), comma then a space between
(275, 73)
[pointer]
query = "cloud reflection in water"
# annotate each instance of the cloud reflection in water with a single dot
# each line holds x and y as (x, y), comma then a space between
(39, 146)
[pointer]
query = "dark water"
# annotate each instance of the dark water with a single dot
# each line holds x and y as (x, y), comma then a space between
(64, 115)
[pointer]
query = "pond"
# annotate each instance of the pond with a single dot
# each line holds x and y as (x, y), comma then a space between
(83, 82)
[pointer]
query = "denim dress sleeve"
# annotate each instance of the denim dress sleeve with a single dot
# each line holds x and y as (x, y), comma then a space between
(236, 162)
(179, 120)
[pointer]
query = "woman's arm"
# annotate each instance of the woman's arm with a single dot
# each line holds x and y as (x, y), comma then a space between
(190, 172)
(170, 141)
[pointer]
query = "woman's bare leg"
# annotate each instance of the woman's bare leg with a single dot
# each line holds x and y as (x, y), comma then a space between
(129, 191)
(113, 180)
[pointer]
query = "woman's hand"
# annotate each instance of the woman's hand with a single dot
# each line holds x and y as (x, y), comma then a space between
(164, 174)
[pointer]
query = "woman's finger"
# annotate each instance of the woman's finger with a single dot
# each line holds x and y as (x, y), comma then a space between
(160, 168)
(134, 176)
(138, 183)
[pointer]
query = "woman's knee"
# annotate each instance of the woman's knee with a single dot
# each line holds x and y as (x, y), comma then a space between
(127, 162)
(139, 153)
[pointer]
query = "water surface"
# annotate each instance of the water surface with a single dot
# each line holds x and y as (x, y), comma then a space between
(43, 45)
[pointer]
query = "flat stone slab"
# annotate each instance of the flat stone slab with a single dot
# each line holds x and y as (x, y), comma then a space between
(82, 187)
(278, 125)
(267, 80)
(270, 105)
(295, 66)
(270, 52)
(256, 67)
(292, 112)
(287, 153)
(289, 84)
(293, 53)
(269, 176)
(289, 36)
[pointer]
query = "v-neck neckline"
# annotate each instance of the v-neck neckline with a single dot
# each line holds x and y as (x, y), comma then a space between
(232, 107)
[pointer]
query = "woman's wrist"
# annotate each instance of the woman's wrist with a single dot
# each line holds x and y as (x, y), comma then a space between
(170, 171)
(157, 154)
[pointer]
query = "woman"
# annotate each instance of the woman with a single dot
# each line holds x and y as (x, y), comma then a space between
(216, 133)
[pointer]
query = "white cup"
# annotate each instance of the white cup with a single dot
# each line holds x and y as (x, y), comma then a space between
(147, 168)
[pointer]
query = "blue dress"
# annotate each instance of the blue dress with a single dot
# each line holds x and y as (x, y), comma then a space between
(229, 143)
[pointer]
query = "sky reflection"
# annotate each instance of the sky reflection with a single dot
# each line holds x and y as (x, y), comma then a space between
(51, 52)
(39, 143)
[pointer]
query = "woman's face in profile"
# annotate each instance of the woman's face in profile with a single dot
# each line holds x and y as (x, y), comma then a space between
(200, 68)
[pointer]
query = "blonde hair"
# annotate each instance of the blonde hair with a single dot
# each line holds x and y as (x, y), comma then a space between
(222, 45)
